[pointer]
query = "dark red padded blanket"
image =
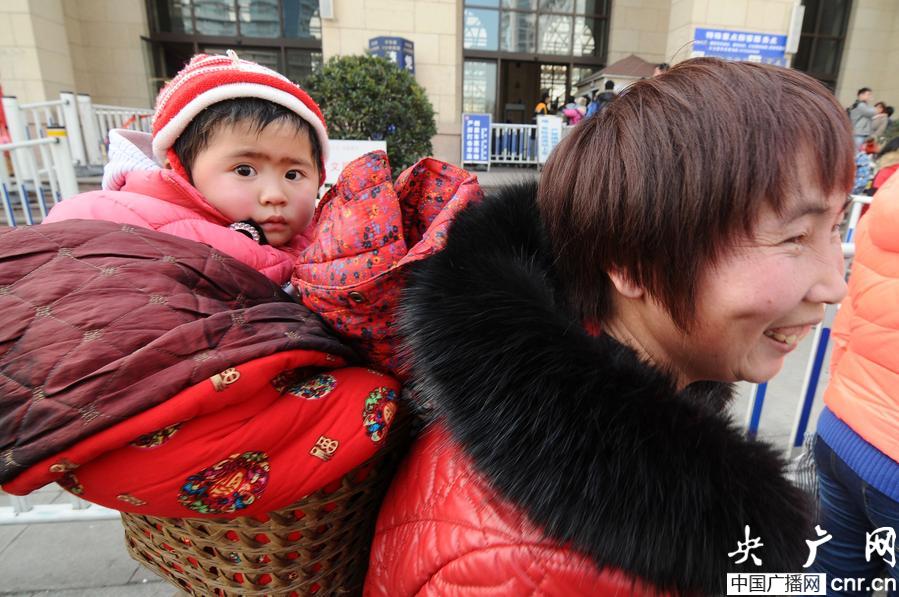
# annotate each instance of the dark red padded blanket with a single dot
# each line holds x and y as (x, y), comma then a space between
(101, 322)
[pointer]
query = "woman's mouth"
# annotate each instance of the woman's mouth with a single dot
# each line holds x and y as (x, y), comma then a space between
(789, 335)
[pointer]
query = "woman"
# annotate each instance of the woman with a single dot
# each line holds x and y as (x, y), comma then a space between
(879, 121)
(887, 163)
(574, 341)
(857, 446)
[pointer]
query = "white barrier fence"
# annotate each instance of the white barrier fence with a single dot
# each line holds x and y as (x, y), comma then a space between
(88, 124)
(44, 174)
(22, 511)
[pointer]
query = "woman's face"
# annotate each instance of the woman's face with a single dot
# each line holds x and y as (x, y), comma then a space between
(759, 301)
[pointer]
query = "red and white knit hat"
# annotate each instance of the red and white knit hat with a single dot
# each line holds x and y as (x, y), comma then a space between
(207, 80)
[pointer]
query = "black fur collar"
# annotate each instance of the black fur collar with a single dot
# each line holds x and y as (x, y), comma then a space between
(596, 446)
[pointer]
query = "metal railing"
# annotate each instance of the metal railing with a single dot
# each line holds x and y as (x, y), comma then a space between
(88, 124)
(44, 174)
(513, 144)
(119, 117)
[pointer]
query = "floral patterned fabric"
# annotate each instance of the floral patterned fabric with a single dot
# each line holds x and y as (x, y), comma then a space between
(270, 447)
(366, 230)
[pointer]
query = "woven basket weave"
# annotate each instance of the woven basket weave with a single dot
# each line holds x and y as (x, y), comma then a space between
(317, 546)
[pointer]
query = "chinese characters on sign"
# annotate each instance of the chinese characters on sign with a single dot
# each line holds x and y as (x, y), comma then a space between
(881, 541)
(758, 583)
(475, 138)
(342, 152)
(396, 49)
(765, 48)
(745, 547)
(549, 133)
(813, 545)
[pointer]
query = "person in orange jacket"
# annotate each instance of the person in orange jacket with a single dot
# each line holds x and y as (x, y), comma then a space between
(857, 445)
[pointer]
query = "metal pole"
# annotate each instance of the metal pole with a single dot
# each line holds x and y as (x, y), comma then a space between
(90, 130)
(73, 127)
(23, 161)
(62, 163)
(754, 413)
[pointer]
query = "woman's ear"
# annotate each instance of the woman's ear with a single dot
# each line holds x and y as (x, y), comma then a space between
(624, 285)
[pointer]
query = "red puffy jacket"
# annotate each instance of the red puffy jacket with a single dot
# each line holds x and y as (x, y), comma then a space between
(444, 531)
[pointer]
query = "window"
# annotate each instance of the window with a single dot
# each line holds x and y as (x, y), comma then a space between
(514, 50)
(284, 35)
(518, 32)
(479, 87)
(215, 17)
(821, 42)
(481, 29)
(576, 28)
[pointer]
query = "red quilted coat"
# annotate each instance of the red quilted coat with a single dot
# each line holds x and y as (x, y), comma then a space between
(558, 463)
(365, 232)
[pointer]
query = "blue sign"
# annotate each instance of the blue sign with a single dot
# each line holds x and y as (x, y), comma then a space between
(396, 49)
(764, 48)
(476, 138)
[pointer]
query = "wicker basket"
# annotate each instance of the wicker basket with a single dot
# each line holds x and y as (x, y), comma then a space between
(317, 546)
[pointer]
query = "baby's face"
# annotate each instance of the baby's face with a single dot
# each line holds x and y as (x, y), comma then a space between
(270, 178)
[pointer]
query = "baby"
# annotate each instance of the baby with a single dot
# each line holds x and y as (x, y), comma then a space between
(245, 150)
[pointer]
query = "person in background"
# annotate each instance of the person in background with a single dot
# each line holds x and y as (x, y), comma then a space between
(542, 107)
(601, 100)
(887, 163)
(574, 111)
(857, 444)
(879, 121)
(861, 115)
(660, 68)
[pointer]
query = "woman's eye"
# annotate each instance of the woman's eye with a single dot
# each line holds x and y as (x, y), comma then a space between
(795, 240)
(293, 175)
(244, 170)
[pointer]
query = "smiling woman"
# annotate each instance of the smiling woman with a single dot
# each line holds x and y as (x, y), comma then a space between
(575, 338)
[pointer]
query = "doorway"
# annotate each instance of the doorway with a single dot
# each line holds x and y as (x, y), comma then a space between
(521, 83)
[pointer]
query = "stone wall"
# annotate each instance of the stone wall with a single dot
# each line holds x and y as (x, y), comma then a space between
(434, 27)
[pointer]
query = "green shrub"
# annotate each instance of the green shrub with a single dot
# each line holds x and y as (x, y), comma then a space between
(368, 97)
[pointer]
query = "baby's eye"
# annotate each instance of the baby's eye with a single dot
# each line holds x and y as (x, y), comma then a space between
(244, 170)
(293, 175)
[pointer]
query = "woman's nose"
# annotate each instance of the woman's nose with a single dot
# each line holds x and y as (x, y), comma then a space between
(831, 285)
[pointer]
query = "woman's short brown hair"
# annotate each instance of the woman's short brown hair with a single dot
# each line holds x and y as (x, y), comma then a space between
(659, 184)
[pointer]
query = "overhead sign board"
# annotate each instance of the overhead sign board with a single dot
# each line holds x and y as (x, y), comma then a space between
(764, 48)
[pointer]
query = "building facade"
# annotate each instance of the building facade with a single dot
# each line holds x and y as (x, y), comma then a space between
(493, 56)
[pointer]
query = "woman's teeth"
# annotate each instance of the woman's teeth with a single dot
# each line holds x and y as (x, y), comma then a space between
(791, 339)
